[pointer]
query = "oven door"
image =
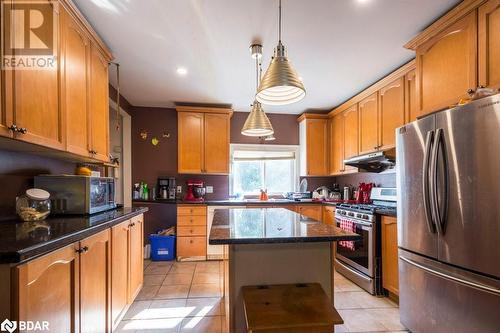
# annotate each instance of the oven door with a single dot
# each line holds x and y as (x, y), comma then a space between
(102, 194)
(359, 254)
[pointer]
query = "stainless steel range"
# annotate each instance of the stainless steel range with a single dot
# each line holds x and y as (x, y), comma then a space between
(360, 261)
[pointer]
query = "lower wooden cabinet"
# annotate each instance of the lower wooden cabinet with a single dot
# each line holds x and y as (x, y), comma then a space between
(390, 274)
(329, 214)
(192, 232)
(136, 232)
(312, 211)
(119, 270)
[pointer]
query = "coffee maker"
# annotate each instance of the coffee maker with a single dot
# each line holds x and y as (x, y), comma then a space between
(166, 188)
(195, 190)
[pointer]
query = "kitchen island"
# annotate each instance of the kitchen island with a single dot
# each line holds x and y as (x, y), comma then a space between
(272, 246)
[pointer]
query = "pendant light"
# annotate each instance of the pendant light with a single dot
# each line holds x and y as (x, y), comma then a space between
(281, 85)
(257, 123)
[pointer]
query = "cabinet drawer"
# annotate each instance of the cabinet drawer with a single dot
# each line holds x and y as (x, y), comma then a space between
(185, 220)
(192, 231)
(191, 246)
(192, 210)
(329, 214)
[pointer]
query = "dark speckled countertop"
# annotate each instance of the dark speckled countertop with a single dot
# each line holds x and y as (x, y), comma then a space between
(271, 225)
(237, 202)
(21, 241)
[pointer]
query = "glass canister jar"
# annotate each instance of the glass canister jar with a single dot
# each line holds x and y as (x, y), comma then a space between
(34, 205)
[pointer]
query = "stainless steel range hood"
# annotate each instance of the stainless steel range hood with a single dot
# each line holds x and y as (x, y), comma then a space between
(374, 162)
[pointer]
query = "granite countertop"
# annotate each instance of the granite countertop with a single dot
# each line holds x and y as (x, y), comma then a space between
(271, 225)
(21, 241)
(236, 202)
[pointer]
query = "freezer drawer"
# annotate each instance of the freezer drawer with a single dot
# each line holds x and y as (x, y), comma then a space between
(437, 298)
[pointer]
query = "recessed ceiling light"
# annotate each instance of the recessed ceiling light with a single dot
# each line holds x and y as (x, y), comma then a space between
(181, 71)
(363, 1)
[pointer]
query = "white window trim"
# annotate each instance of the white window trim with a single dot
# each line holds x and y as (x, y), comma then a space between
(261, 147)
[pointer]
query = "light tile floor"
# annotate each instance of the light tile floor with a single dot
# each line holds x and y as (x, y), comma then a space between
(185, 297)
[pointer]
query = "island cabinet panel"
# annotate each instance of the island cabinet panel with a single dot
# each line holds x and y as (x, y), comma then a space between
(99, 105)
(390, 275)
(392, 113)
(489, 44)
(351, 136)
(192, 234)
(336, 144)
(190, 142)
(411, 110)
(329, 214)
(75, 49)
(47, 289)
(216, 143)
(36, 95)
(136, 263)
(312, 211)
(95, 283)
(120, 257)
(368, 124)
(314, 146)
(446, 65)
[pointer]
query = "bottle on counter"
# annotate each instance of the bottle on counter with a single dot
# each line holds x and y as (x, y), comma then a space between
(145, 194)
(136, 191)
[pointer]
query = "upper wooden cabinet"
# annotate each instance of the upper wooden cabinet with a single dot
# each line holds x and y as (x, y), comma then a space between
(489, 44)
(336, 144)
(203, 140)
(447, 65)
(5, 116)
(368, 124)
(351, 136)
(391, 112)
(411, 111)
(313, 133)
(75, 49)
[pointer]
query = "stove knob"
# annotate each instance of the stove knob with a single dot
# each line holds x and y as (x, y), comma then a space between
(366, 217)
(351, 214)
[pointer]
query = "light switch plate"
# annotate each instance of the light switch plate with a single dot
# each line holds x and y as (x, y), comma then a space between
(179, 189)
(210, 189)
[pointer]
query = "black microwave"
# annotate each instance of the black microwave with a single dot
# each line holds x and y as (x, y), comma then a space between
(73, 194)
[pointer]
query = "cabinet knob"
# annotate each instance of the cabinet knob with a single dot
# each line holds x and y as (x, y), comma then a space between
(22, 130)
(191, 241)
(12, 128)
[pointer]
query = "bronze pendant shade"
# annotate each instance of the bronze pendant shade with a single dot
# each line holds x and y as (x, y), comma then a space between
(257, 123)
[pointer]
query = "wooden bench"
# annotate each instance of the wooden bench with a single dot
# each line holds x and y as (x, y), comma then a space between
(290, 308)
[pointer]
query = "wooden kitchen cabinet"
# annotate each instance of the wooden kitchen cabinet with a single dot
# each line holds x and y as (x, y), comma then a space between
(312, 211)
(489, 44)
(99, 105)
(75, 49)
(390, 274)
(368, 124)
(5, 76)
(411, 109)
(391, 113)
(351, 136)
(336, 144)
(136, 263)
(329, 215)
(119, 270)
(313, 133)
(36, 109)
(203, 140)
(446, 65)
(191, 239)
(47, 289)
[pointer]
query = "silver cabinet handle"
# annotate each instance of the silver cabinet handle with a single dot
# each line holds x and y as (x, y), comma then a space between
(452, 278)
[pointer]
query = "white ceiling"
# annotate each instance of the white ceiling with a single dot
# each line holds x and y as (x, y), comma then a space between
(339, 47)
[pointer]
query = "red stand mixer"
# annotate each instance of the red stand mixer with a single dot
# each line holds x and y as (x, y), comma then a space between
(195, 190)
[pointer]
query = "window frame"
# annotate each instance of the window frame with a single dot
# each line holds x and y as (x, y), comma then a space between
(265, 147)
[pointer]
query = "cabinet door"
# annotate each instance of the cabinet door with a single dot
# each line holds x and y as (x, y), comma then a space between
(216, 133)
(313, 212)
(95, 283)
(47, 290)
(36, 95)
(190, 142)
(136, 263)
(329, 215)
(99, 105)
(5, 82)
(392, 112)
(446, 66)
(337, 144)
(75, 48)
(489, 44)
(368, 124)
(411, 97)
(351, 135)
(119, 270)
(316, 147)
(390, 275)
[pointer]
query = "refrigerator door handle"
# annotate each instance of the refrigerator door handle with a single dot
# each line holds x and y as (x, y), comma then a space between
(439, 212)
(426, 169)
(464, 282)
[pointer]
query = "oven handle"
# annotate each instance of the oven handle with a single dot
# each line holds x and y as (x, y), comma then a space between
(352, 270)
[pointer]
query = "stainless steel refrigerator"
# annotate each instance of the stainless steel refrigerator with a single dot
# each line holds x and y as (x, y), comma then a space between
(448, 179)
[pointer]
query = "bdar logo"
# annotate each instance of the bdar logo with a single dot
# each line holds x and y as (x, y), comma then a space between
(8, 326)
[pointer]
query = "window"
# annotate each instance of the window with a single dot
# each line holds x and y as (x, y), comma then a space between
(256, 167)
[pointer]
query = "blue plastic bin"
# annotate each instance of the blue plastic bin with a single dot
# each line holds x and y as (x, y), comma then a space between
(162, 247)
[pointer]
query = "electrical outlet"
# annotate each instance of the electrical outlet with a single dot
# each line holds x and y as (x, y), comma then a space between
(179, 189)
(210, 189)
